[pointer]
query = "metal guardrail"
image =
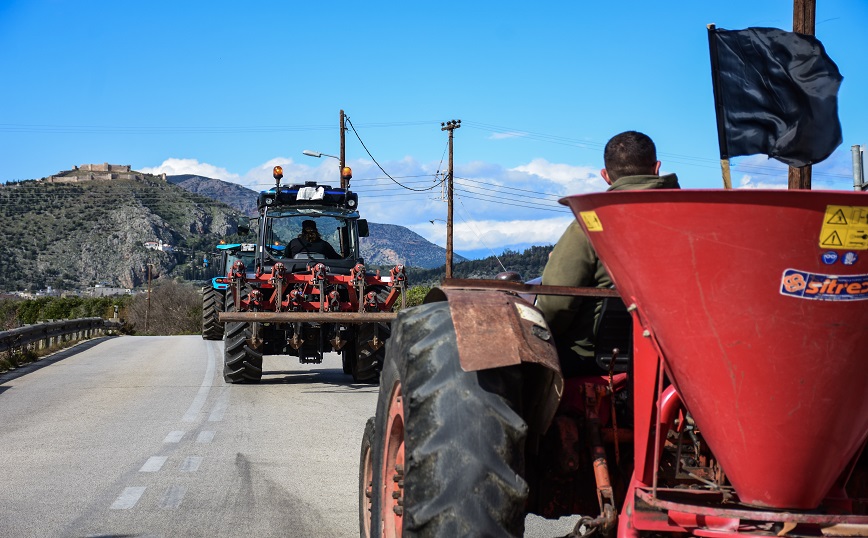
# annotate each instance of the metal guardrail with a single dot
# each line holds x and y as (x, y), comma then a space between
(48, 333)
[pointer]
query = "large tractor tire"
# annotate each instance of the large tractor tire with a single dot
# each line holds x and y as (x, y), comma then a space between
(448, 451)
(366, 479)
(366, 363)
(212, 305)
(241, 363)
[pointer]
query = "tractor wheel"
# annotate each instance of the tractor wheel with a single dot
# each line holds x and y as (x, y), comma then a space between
(241, 364)
(212, 305)
(366, 480)
(348, 355)
(448, 453)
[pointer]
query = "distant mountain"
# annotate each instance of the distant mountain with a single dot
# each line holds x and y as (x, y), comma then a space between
(231, 194)
(388, 244)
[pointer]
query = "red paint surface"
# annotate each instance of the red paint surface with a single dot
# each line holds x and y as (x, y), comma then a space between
(778, 385)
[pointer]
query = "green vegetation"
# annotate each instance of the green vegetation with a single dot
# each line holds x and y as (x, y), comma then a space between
(17, 312)
(529, 264)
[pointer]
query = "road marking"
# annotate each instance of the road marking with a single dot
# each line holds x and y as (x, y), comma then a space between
(154, 464)
(220, 407)
(191, 464)
(128, 498)
(174, 437)
(205, 437)
(202, 395)
(173, 497)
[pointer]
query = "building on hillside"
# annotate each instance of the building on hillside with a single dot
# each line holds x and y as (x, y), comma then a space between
(104, 171)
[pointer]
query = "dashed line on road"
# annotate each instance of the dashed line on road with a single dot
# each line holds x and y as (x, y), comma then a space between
(128, 498)
(174, 437)
(173, 497)
(191, 464)
(154, 464)
(204, 389)
(205, 437)
(220, 407)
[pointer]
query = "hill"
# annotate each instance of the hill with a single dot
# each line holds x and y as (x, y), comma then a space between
(231, 194)
(529, 264)
(70, 231)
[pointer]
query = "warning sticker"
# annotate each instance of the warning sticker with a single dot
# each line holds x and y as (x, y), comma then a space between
(845, 227)
(592, 221)
(805, 285)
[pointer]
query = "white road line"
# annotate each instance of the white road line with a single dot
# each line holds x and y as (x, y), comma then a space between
(220, 407)
(205, 437)
(173, 497)
(128, 498)
(202, 395)
(154, 464)
(174, 437)
(191, 464)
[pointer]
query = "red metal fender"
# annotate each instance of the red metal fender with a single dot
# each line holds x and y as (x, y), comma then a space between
(494, 329)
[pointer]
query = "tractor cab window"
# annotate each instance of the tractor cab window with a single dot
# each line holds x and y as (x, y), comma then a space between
(281, 230)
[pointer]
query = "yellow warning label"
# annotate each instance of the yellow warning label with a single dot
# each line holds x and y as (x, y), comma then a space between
(845, 227)
(592, 221)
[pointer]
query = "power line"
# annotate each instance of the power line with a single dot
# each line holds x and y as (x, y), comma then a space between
(353, 127)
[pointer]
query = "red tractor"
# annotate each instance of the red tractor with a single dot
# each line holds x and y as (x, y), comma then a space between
(737, 404)
(307, 303)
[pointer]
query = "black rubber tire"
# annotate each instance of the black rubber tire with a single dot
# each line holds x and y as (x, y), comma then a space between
(241, 364)
(365, 355)
(464, 438)
(365, 480)
(212, 305)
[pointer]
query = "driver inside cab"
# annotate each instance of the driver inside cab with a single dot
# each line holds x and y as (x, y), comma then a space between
(309, 242)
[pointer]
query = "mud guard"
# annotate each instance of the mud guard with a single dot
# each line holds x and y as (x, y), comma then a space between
(494, 329)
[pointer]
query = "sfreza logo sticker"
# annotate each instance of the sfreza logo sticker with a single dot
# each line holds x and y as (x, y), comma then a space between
(806, 285)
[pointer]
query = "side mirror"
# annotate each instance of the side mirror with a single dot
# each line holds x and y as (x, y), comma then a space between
(363, 228)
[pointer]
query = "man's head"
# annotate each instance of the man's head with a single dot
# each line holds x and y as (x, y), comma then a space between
(630, 153)
(308, 231)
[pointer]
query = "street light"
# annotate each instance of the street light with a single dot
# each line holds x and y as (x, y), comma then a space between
(345, 171)
(432, 220)
(318, 154)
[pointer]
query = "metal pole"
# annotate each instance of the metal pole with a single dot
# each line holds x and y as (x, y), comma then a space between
(449, 126)
(858, 172)
(148, 310)
(343, 158)
(804, 17)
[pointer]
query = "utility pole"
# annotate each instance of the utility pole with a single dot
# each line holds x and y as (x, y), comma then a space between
(804, 22)
(450, 126)
(343, 159)
(148, 310)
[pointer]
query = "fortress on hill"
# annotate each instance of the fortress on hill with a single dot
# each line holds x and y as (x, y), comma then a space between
(98, 172)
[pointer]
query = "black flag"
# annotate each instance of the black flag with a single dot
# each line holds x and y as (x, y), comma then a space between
(776, 93)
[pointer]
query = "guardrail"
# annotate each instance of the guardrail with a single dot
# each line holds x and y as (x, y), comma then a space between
(49, 333)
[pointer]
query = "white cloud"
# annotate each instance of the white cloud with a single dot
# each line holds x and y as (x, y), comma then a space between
(503, 136)
(495, 235)
(748, 182)
(573, 179)
(177, 167)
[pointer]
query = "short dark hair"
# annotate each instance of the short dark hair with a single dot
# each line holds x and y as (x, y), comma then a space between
(630, 153)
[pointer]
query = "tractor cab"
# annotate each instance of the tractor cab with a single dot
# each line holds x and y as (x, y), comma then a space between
(301, 224)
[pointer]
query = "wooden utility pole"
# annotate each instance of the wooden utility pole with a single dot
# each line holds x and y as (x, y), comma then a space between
(804, 22)
(450, 126)
(148, 309)
(343, 159)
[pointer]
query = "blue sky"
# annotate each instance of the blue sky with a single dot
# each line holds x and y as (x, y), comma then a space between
(227, 91)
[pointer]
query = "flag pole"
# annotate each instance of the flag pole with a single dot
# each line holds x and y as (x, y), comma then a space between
(718, 109)
(804, 16)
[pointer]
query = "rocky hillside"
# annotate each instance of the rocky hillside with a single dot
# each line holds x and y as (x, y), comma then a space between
(390, 244)
(78, 234)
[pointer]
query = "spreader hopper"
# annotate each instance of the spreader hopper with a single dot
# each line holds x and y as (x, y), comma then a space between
(758, 304)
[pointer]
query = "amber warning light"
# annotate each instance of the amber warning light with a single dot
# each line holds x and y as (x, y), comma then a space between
(278, 172)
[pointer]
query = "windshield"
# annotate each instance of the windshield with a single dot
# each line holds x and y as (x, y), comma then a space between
(284, 237)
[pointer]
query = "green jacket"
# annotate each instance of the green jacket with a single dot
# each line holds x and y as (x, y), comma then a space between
(573, 262)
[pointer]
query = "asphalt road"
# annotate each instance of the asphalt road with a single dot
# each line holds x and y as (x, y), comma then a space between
(139, 436)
